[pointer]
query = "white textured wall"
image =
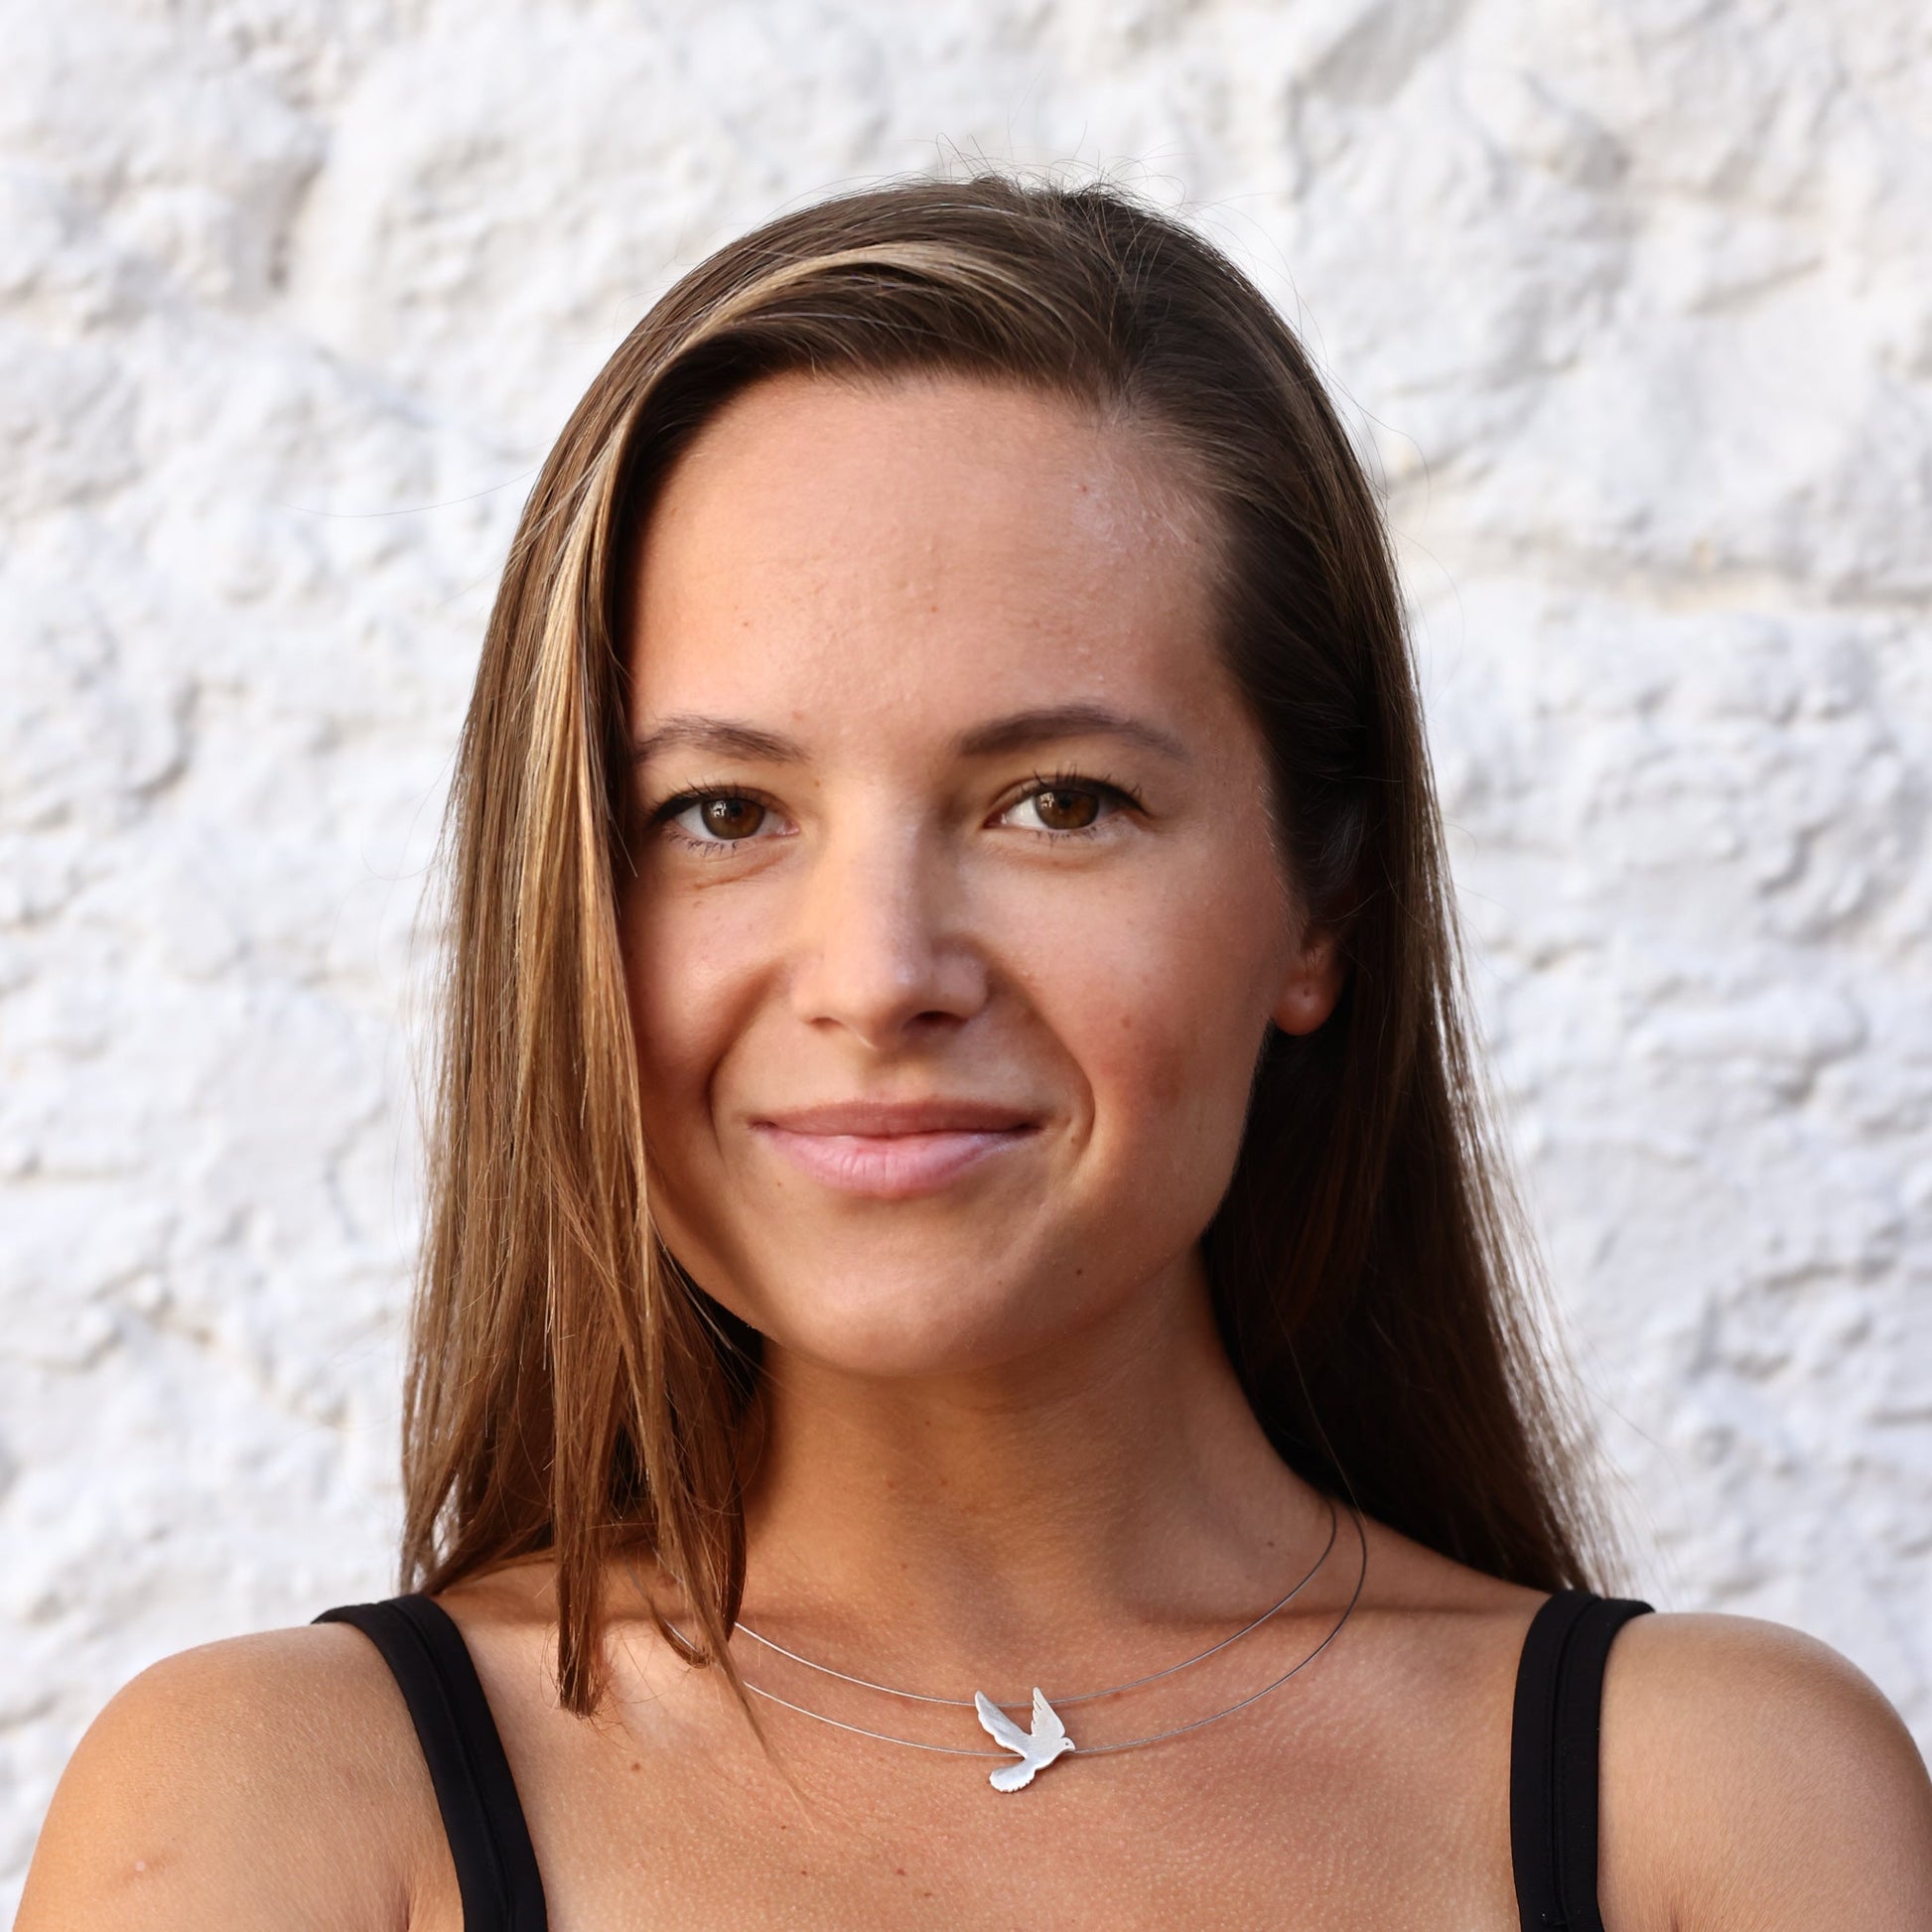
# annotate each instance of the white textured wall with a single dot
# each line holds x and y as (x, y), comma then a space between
(1631, 300)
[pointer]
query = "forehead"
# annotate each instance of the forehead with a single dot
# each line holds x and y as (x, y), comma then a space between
(854, 558)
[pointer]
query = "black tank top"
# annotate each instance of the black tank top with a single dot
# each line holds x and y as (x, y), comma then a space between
(1552, 1764)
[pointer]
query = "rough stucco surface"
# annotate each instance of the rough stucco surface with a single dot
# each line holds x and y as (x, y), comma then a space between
(1629, 302)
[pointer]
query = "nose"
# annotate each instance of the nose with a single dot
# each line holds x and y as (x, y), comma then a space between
(880, 947)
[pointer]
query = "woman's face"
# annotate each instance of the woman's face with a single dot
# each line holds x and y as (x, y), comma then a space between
(956, 926)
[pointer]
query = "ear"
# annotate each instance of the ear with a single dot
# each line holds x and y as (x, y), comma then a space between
(1313, 983)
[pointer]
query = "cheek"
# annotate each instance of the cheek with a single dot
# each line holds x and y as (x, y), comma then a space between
(690, 985)
(685, 977)
(1162, 1000)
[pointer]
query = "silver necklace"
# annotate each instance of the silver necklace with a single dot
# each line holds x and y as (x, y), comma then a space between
(1047, 1740)
(1083, 1697)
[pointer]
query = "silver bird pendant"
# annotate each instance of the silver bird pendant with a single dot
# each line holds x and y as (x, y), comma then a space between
(1037, 1748)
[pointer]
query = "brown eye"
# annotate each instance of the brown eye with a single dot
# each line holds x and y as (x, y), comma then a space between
(1064, 807)
(731, 818)
(1061, 810)
(722, 818)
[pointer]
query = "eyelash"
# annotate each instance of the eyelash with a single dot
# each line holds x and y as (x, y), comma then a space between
(662, 819)
(1064, 780)
(664, 816)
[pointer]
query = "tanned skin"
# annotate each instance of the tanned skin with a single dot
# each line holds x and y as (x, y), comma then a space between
(1002, 1444)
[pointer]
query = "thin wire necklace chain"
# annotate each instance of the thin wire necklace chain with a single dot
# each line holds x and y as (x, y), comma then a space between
(1086, 1697)
(1127, 1744)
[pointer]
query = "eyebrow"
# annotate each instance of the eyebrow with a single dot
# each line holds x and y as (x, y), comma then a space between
(1020, 731)
(1024, 729)
(722, 734)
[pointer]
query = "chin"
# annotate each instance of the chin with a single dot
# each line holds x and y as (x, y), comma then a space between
(913, 1322)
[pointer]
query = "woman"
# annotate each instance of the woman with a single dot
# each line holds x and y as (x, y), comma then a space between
(968, 1369)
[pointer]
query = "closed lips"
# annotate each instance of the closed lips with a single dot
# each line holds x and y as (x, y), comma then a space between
(889, 1119)
(894, 1150)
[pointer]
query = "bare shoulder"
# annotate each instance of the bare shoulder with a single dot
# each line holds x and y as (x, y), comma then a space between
(271, 1779)
(1753, 1777)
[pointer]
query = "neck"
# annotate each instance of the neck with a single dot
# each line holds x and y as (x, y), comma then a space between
(1116, 1479)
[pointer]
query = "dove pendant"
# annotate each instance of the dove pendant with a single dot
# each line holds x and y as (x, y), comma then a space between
(1036, 1748)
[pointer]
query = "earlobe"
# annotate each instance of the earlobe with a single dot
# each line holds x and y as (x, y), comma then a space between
(1309, 994)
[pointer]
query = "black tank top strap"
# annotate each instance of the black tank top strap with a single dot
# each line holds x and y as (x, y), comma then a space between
(1553, 1761)
(483, 1818)
(1553, 1773)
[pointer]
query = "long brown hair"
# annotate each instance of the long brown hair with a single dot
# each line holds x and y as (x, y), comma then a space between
(571, 1391)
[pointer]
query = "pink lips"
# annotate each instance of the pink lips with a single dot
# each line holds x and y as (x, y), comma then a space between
(893, 1151)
